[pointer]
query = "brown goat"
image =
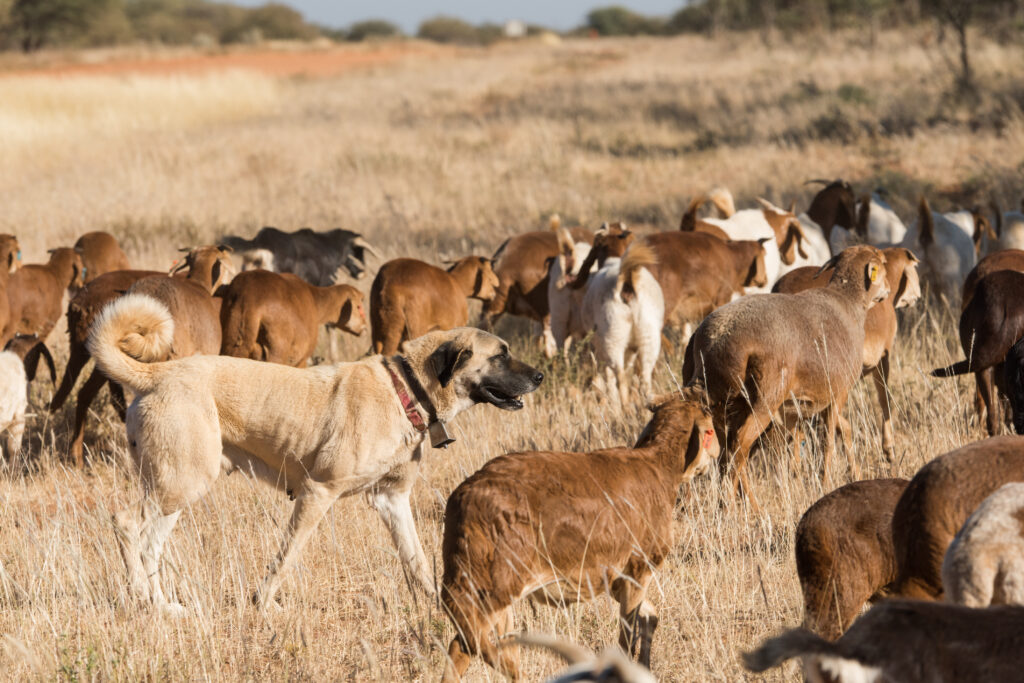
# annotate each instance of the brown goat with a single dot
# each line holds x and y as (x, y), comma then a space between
(35, 293)
(100, 254)
(909, 642)
(691, 222)
(759, 354)
(1007, 259)
(699, 272)
(880, 324)
(835, 204)
(561, 527)
(937, 502)
(207, 266)
(990, 325)
(844, 553)
(275, 317)
(410, 298)
(521, 264)
(10, 254)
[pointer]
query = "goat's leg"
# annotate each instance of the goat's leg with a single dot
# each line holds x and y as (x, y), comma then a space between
(13, 438)
(637, 618)
(986, 387)
(880, 375)
(312, 502)
(758, 417)
(77, 359)
(85, 398)
(550, 344)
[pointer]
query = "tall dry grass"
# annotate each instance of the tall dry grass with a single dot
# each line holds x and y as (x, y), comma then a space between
(440, 158)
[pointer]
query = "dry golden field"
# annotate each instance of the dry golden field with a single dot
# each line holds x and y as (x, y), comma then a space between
(438, 154)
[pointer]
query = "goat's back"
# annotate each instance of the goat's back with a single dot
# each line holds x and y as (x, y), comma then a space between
(938, 501)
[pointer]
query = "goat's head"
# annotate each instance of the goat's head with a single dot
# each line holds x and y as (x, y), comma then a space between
(757, 276)
(902, 276)
(611, 241)
(351, 314)
(68, 264)
(789, 234)
(835, 204)
(209, 265)
(982, 229)
(684, 419)
(861, 268)
(485, 280)
(258, 259)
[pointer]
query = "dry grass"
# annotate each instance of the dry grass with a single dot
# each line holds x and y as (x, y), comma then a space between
(446, 157)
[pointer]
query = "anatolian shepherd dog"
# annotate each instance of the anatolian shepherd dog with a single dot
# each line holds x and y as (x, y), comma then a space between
(318, 433)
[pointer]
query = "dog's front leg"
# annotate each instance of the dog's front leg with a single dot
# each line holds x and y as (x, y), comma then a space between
(312, 502)
(391, 501)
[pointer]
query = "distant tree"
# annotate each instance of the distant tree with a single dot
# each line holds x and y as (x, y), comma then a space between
(39, 22)
(958, 15)
(443, 29)
(619, 21)
(372, 28)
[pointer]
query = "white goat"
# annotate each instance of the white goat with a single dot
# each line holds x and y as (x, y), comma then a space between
(984, 564)
(785, 248)
(625, 308)
(564, 302)
(947, 250)
(1010, 228)
(18, 364)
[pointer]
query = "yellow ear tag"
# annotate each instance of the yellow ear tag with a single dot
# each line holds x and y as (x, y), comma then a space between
(874, 273)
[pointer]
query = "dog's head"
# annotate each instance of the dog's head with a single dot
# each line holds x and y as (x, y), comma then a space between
(465, 366)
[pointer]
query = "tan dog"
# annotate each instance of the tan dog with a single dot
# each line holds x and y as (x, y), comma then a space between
(329, 431)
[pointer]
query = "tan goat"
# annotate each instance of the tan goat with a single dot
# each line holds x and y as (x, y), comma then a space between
(275, 317)
(562, 527)
(410, 298)
(803, 351)
(880, 324)
(35, 293)
(939, 500)
(100, 254)
(844, 553)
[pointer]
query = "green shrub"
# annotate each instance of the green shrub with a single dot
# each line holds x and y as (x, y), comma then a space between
(372, 28)
(443, 29)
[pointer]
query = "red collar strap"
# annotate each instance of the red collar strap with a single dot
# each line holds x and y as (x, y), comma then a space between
(408, 404)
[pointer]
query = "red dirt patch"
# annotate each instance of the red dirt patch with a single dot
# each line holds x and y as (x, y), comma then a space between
(295, 61)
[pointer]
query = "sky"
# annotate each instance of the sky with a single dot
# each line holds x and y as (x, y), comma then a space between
(557, 14)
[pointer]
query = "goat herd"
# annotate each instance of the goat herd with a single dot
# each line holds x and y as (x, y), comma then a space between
(559, 527)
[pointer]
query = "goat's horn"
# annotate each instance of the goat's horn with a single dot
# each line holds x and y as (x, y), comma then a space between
(818, 181)
(185, 249)
(360, 242)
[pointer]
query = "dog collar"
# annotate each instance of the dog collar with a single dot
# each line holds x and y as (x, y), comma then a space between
(439, 437)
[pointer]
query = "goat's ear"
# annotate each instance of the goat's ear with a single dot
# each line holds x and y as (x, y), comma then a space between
(911, 256)
(763, 240)
(792, 206)
(872, 272)
(215, 272)
(447, 359)
(798, 234)
(178, 266)
(225, 248)
(660, 400)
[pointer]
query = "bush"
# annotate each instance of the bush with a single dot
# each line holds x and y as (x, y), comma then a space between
(372, 28)
(619, 21)
(451, 30)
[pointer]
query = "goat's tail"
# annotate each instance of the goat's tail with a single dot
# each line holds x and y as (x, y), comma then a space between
(962, 367)
(555, 222)
(723, 201)
(689, 221)
(793, 643)
(638, 256)
(566, 246)
(128, 337)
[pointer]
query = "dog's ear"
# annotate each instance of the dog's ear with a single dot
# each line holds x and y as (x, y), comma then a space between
(446, 359)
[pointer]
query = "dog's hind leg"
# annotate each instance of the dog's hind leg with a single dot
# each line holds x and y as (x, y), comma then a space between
(313, 499)
(392, 504)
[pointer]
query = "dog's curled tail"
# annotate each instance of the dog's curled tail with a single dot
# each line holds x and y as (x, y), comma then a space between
(129, 335)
